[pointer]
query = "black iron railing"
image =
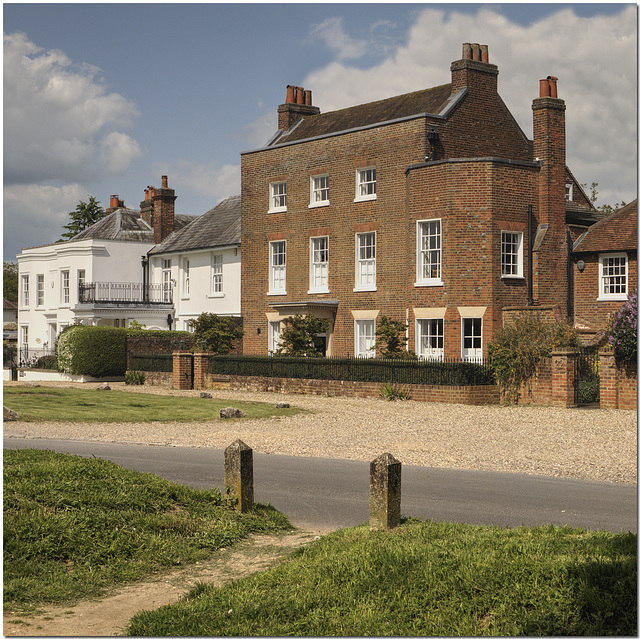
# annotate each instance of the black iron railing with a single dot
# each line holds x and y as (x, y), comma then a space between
(450, 372)
(124, 293)
(37, 358)
(151, 362)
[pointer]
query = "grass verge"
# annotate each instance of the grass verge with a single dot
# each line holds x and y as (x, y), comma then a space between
(424, 579)
(47, 403)
(74, 526)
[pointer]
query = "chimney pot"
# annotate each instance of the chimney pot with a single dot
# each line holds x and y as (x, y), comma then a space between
(165, 182)
(113, 202)
(553, 87)
(299, 95)
(475, 49)
(484, 53)
(545, 89)
(307, 98)
(290, 94)
(466, 51)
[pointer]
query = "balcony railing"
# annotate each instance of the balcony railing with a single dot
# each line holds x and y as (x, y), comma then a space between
(124, 293)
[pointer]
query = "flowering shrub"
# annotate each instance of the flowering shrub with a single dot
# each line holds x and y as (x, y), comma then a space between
(623, 330)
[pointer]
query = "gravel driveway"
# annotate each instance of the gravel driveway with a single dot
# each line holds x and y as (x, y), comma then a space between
(592, 444)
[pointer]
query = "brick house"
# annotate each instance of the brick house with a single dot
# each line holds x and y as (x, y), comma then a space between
(605, 269)
(420, 207)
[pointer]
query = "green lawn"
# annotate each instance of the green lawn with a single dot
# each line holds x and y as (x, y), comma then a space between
(49, 403)
(74, 526)
(425, 579)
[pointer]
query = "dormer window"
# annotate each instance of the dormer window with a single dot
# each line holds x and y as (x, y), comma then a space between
(568, 192)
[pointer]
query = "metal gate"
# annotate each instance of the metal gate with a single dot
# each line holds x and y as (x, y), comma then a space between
(587, 381)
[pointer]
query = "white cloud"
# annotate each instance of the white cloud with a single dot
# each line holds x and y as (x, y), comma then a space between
(38, 214)
(60, 122)
(118, 150)
(331, 32)
(212, 180)
(594, 58)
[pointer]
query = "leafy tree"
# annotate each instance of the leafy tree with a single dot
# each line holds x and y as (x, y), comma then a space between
(218, 333)
(622, 333)
(10, 281)
(298, 337)
(606, 208)
(84, 215)
(518, 346)
(391, 339)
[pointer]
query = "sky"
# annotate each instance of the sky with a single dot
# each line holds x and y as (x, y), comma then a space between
(104, 99)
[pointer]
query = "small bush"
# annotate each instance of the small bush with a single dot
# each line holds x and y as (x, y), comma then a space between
(392, 392)
(134, 378)
(623, 332)
(48, 362)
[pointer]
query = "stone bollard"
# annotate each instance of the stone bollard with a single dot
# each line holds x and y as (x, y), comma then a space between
(238, 474)
(384, 492)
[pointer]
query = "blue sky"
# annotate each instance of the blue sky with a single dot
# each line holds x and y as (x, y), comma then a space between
(103, 99)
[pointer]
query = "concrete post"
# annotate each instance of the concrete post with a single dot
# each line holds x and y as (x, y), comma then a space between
(384, 492)
(238, 474)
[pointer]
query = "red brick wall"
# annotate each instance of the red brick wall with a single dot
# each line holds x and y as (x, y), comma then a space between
(618, 382)
(588, 311)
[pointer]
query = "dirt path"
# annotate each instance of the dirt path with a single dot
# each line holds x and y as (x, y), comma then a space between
(109, 616)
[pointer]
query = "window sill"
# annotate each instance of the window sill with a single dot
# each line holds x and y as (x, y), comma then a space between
(370, 198)
(612, 298)
(276, 292)
(362, 289)
(429, 284)
(317, 291)
(318, 205)
(512, 277)
(282, 210)
(215, 295)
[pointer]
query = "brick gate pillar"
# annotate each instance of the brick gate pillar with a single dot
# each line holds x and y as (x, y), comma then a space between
(182, 377)
(563, 378)
(200, 366)
(608, 379)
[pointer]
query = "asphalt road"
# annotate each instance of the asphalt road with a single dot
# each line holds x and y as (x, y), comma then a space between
(326, 494)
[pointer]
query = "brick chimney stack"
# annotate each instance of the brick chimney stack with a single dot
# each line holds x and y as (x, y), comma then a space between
(549, 148)
(114, 204)
(163, 211)
(146, 206)
(297, 105)
(474, 70)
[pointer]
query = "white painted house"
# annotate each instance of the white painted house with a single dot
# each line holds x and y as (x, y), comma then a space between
(202, 264)
(152, 266)
(97, 278)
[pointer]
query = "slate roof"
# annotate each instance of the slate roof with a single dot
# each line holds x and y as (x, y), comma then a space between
(126, 225)
(8, 305)
(220, 226)
(616, 232)
(583, 214)
(425, 101)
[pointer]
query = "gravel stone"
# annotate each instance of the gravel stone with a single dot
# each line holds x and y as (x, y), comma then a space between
(588, 444)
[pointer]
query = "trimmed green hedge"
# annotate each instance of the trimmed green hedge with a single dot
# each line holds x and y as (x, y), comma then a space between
(99, 351)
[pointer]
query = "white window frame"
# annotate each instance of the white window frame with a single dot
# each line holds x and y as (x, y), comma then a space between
(366, 184)
(186, 281)
(65, 284)
(166, 280)
(24, 297)
(40, 289)
(613, 273)
(472, 352)
(277, 271)
(365, 338)
(568, 192)
(319, 191)
(430, 230)
(217, 275)
(319, 264)
(430, 338)
(277, 197)
(24, 336)
(365, 266)
(275, 329)
(511, 261)
(82, 279)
